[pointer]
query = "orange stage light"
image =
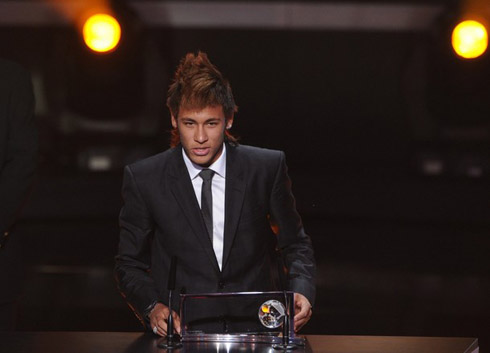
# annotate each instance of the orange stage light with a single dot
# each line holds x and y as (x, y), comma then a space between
(101, 33)
(469, 39)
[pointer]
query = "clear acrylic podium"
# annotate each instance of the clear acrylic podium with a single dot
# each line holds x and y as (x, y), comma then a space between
(239, 317)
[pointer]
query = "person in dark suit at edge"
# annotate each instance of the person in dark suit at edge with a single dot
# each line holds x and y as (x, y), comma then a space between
(222, 231)
(18, 159)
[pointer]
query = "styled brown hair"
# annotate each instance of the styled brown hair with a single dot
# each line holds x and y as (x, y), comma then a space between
(198, 84)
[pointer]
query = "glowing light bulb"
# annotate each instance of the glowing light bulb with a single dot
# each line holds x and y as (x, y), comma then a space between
(101, 33)
(469, 39)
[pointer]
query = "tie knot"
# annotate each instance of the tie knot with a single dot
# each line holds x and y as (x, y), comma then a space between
(206, 174)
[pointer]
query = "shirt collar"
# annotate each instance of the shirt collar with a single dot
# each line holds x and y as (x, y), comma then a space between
(219, 166)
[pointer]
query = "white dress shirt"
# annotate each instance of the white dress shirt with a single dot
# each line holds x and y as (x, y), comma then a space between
(218, 190)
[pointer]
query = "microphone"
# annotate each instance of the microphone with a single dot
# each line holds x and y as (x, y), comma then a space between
(172, 273)
(172, 341)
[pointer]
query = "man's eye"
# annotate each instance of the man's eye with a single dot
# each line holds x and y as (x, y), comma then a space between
(188, 123)
(212, 123)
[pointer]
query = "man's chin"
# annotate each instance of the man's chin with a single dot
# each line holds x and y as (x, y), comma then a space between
(203, 161)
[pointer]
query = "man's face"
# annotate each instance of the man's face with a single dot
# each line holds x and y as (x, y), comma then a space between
(202, 133)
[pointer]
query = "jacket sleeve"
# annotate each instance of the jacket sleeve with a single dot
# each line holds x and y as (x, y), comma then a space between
(133, 261)
(294, 244)
(17, 172)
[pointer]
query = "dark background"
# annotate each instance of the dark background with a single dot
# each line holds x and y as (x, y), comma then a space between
(401, 249)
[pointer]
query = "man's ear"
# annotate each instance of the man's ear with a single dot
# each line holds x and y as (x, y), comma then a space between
(229, 122)
(173, 121)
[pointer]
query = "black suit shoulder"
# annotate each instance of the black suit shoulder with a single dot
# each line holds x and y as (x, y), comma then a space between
(257, 157)
(258, 152)
(153, 163)
(148, 174)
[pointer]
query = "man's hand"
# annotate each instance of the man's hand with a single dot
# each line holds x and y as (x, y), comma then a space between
(302, 311)
(158, 318)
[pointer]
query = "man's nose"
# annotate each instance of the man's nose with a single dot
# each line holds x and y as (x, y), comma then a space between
(200, 134)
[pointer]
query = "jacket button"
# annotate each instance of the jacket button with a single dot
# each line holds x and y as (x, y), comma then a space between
(221, 285)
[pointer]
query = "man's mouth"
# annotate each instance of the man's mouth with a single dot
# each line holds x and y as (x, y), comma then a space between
(200, 151)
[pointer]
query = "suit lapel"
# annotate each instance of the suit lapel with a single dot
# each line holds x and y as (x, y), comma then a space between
(234, 194)
(183, 191)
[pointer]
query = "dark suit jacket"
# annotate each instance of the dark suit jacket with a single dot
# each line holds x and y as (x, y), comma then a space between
(18, 154)
(161, 218)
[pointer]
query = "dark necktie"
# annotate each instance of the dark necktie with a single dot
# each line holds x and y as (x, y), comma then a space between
(207, 200)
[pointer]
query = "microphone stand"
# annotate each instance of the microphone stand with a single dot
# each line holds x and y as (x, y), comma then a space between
(172, 340)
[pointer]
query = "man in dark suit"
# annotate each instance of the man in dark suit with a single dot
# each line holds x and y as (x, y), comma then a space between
(222, 209)
(18, 155)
